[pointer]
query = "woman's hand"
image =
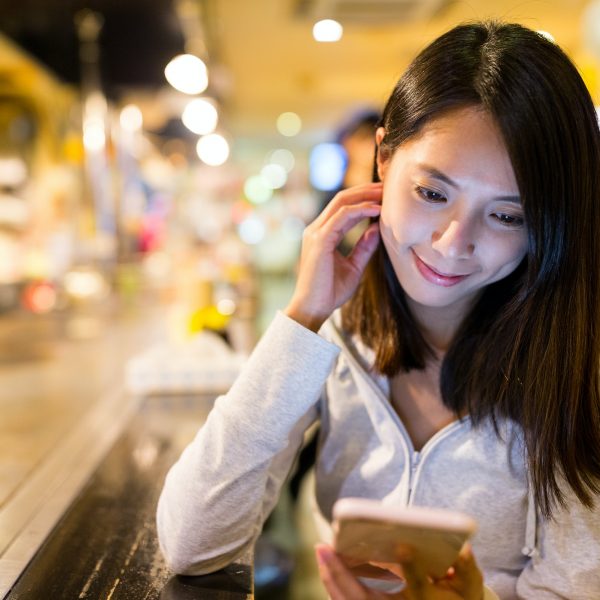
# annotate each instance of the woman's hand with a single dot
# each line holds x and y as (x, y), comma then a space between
(463, 581)
(326, 278)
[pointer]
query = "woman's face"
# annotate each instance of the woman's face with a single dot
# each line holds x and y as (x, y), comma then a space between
(451, 219)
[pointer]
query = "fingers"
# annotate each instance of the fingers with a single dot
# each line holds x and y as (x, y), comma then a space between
(338, 580)
(356, 193)
(417, 580)
(326, 279)
(348, 208)
(368, 193)
(365, 247)
(467, 573)
(329, 234)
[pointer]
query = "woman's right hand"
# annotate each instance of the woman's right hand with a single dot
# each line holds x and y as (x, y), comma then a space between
(463, 581)
(326, 278)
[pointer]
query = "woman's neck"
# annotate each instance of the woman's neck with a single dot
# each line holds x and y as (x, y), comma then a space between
(439, 324)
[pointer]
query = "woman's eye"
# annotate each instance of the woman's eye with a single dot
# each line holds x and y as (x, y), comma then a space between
(509, 220)
(430, 195)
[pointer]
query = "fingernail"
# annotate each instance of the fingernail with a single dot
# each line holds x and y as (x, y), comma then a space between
(324, 555)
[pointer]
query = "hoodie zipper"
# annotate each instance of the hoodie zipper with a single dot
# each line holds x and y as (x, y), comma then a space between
(413, 457)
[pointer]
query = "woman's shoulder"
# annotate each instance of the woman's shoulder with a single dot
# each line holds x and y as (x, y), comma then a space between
(354, 353)
(349, 342)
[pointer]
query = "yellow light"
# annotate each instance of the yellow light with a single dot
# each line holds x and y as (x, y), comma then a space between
(200, 116)
(289, 124)
(84, 284)
(187, 73)
(94, 138)
(327, 30)
(131, 118)
(13, 171)
(226, 306)
(213, 149)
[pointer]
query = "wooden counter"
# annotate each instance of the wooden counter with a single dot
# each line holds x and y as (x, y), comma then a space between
(105, 546)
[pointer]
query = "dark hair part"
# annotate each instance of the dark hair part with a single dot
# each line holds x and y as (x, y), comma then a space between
(530, 348)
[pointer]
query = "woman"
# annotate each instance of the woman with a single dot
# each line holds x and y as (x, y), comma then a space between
(462, 370)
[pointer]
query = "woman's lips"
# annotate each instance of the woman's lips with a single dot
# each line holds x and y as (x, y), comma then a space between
(433, 276)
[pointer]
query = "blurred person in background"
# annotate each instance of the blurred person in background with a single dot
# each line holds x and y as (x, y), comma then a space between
(453, 356)
(357, 138)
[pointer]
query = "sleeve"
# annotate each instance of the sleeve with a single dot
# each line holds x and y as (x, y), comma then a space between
(566, 562)
(217, 495)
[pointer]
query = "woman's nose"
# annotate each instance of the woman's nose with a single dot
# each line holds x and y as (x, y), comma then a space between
(454, 240)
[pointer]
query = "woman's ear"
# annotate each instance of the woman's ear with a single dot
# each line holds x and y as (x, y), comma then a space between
(382, 153)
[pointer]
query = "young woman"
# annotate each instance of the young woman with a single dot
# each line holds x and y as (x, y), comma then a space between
(462, 368)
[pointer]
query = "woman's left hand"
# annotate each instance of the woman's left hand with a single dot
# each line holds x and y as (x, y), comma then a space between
(463, 581)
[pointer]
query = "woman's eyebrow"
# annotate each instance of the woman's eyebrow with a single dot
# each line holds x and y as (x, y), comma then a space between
(437, 174)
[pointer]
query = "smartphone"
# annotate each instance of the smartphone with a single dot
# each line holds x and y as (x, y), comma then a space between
(367, 531)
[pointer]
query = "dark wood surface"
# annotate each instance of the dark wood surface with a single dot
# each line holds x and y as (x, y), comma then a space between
(105, 546)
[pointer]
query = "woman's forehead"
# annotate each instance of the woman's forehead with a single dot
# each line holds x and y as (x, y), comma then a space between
(464, 145)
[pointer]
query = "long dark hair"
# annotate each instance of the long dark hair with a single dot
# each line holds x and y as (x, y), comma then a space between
(530, 348)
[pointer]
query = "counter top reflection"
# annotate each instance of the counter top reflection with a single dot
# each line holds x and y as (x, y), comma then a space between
(106, 545)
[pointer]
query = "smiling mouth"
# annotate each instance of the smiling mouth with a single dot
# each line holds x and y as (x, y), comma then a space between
(435, 277)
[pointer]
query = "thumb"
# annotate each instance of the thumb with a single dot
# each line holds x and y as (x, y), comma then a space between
(468, 574)
(465, 561)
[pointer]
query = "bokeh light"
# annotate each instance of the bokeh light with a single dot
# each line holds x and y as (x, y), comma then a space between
(257, 189)
(13, 171)
(282, 157)
(39, 297)
(274, 175)
(213, 149)
(226, 306)
(327, 165)
(131, 118)
(94, 137)
(85, 284)
(327, 30)
(251, 230)
(200, 116)
(187, 73)
(289, 124)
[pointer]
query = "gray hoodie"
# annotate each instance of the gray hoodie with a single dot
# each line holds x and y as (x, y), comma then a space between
(219, 493)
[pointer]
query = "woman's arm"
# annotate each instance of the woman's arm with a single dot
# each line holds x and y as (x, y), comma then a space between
(218, 494)
(226, 482)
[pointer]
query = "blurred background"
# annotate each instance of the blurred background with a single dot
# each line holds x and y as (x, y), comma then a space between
(176, 148)
(159, 160)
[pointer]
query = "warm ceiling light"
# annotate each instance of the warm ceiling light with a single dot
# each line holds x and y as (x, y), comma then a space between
(327, 30)
(94, 137)
(289, 124)
(200, 116)
(187, 73)
(213, 149)
(131, 118)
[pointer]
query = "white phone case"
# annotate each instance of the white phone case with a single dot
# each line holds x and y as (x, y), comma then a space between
(369, 531)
